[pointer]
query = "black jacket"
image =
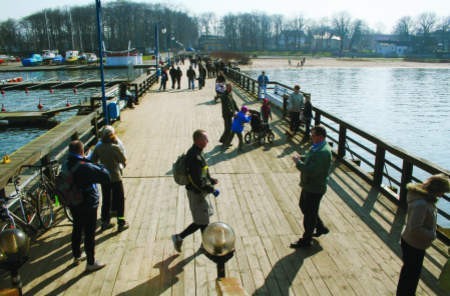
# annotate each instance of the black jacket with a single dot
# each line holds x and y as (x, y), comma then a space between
(197, 169)
(86, 176)
(229, 105)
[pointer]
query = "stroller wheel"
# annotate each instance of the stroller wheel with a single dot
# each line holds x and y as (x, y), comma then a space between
(270, 137)
(248, 137)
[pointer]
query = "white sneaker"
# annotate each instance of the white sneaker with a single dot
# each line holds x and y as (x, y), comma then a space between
(95, 266)
(76, 261)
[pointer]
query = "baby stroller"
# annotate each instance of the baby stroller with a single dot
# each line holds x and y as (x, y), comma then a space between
(260, 130)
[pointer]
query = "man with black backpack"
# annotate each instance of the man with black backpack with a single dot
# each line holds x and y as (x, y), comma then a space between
(199, 186)
(86, 175)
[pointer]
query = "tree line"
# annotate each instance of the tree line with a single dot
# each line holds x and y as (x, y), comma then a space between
(123, 21)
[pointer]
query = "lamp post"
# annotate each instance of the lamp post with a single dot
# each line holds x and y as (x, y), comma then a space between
(218, 240)
(14, 249)
(100, 51)
(163, 31)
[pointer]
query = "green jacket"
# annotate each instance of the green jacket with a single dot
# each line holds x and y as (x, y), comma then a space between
(315, 169)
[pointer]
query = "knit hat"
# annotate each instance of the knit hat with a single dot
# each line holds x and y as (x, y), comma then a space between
(244, 108)
(265, 100)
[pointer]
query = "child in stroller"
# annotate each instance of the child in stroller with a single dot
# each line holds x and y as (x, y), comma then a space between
(260, 130)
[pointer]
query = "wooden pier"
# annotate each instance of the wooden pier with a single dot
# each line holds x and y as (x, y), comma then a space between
(259, 200)
(54, 84)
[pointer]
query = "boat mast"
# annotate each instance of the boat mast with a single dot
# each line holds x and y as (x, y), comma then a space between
(46, 28)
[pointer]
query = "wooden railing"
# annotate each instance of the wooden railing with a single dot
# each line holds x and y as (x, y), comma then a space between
(53, 144)
(381, 164)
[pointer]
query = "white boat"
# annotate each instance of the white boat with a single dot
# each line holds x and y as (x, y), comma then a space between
(91, 57)
(48, 55)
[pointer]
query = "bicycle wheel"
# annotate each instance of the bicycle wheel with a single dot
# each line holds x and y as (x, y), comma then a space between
(270, 137)
(68, 213)
(44, 207)
(32, 223)
(248, 137)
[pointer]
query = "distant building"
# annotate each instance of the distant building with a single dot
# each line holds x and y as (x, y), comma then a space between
(211, 43)
(392, 48)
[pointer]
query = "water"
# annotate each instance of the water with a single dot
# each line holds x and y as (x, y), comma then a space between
(17, 100)
(407, 107)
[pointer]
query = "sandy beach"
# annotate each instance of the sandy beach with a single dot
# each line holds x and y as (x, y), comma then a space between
(273, 63)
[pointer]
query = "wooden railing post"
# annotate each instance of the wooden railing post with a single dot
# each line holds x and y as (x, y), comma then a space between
(317, 118)
(342, 140)
(379, 165)
(407, 172)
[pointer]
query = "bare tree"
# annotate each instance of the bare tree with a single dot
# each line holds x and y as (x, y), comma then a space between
(425, 23)
(341, 27)
(403, 28)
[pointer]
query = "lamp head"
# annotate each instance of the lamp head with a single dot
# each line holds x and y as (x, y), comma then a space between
(218, 239)
(14, 248)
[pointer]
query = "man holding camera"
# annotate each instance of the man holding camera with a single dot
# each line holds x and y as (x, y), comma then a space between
(200, 185)
(315, 169)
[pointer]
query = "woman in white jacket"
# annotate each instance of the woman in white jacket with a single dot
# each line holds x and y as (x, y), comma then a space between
(420, 229)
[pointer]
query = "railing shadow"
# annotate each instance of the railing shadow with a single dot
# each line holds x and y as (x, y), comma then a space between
(285, 270)
(366, 211)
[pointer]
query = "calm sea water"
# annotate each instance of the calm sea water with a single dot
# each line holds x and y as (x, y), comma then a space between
(407, 107)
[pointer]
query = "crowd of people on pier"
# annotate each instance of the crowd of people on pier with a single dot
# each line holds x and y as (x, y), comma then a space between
(106, 162)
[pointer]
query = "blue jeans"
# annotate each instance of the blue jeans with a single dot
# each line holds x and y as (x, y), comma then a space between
(262, 88)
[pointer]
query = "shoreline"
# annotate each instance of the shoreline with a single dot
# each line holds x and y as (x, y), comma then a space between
(323, 62)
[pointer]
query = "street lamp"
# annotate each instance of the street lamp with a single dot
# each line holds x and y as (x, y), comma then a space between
(218, 240)
(14, 249)
(163, 31)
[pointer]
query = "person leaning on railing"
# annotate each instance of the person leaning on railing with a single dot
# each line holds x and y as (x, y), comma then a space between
(420, 229)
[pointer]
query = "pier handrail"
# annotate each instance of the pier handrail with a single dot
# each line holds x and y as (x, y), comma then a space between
(382, 161)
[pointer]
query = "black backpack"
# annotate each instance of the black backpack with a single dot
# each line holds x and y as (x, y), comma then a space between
(69, 193)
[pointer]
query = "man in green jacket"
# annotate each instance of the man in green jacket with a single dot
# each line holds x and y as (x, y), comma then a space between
(315, 169)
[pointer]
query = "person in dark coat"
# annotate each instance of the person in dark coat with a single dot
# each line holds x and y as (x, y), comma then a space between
(86, 175)
(201, 76)
(190, 73)
(173, 75)
(229, 108)
(179, 73)
(201, 184)
(307, 115)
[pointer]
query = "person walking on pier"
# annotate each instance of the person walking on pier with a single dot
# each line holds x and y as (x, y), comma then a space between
(201, 184)
(173, 75)
(237, 127)
(229, 108)
(420, 229)
(315, 169)
(263, 80)
(111, 155)
(179, 73)
(190, 73)
(86, 175)
(295, 105)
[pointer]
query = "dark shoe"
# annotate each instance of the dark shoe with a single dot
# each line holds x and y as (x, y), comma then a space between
(177, 242)
(301, 243)
(106, 226)
(320, 231)
(123, 226)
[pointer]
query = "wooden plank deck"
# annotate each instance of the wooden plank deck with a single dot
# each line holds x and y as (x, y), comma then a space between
(259, 199)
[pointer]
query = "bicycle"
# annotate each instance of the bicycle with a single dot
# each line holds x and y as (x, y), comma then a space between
(47, 189)
(19, 208)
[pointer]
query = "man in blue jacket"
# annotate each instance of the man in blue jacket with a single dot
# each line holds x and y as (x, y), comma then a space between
(263, 80)
(86, 175)
(314, 172)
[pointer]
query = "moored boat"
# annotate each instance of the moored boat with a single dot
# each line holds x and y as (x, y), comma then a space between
(72, 56)
(34, 60)
(48, 55)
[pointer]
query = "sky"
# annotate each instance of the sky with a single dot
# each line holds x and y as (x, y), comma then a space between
(378, 14)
